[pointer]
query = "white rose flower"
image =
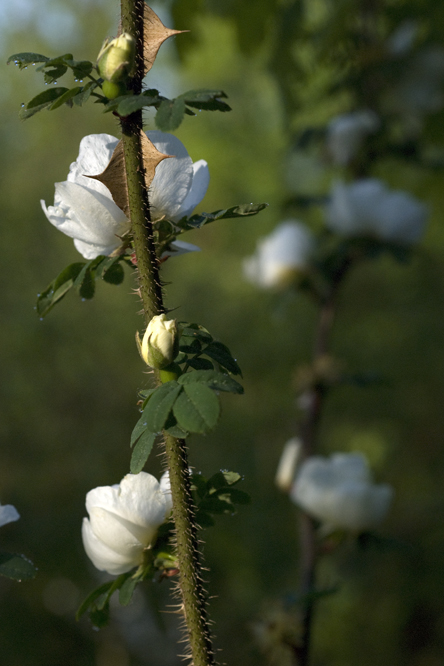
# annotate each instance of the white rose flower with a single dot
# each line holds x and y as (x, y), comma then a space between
(123, 521)
(84, 209)
(280, 256)
(339, 492)
(346, 132)
(160, 342)
(8, 514)
(288, 462)
(368, 208)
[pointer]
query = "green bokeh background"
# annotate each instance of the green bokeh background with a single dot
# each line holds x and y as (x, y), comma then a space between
(69, 383)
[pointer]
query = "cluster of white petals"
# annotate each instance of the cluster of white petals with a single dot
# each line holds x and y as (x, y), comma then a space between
(346, 132)
(339, 492)
(280, 256)
(84, 209)
(8, 514)
(123, 521)
(368, 208)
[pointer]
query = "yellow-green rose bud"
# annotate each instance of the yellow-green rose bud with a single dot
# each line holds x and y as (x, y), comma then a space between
(116, 58)
(160, 343)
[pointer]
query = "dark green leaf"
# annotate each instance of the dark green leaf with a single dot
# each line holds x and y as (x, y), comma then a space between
(127, 590)
(132, 103)
(85, 283)
(80, 68)
(170, 114)
(64, 98)
(215, 504)
(199, 220)
(114, 274)
(52, 75)
(86, 91)
(139, 428)
(200, 484)
(41, 101)
(25, 59)
(54, 62)
(222, 355)
(95, 594)
(194, 331)
(205, 99)
(57, 289)
(100, 617)
(160, 404)
(200, 364)
(17, 567)
(177, 432)
(218, 381)
(141, 451)
(197, 408)
(204, 519)
(237, 496)
(217, 481)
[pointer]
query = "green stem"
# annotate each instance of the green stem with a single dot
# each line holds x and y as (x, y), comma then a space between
(190, 581)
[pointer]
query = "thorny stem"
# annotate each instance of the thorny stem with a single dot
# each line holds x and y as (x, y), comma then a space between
(190, 583)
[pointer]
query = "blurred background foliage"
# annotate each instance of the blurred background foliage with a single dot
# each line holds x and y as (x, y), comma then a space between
(69, 383)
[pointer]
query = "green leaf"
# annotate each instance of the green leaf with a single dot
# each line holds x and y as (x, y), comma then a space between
(55, 62)
(197, 408)
(142, 450)
(80, 68)
(58, 288)
(95, 594)
(170, 114)
(231, 477)
(85, 282)
(86, 91)
(100, 617)
(199, 220)
(218, 381)
(160, 404)
(222, 355)
(17, 567)
(66, 97)
(25, 59)
(205, 99)
(194, 331)
(139, 428)
(132, 103)
(127, 590)
(41, 101)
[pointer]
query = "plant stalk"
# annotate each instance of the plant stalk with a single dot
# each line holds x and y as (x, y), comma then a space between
(308, 437)
(193, 599)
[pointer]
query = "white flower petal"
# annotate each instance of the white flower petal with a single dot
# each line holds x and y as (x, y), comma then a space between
(178, 248)
(173, 178)
(103, 557)
(94, 156)
(368, 208)
(8, 514)
(199, 186)
(339, 492)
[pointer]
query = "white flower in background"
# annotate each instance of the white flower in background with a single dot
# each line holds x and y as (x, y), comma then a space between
(368, 208)
(8, 514)
(84, 209)
(402, 38)
(340, 493)
(346, 132)
(280, 256)
(160, 343)
(290, 457)
(123, 521)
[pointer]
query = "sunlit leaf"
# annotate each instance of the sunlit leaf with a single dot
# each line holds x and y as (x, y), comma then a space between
(196, 408)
